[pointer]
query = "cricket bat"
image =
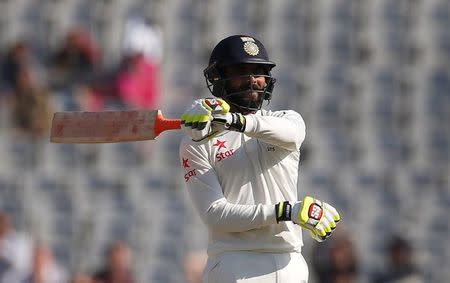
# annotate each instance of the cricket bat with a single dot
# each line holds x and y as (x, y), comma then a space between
(109, 126)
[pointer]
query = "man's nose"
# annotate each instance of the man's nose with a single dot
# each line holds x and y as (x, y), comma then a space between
(257, 82)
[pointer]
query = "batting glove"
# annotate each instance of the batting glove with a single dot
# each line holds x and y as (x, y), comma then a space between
(230, 121)
(196, 120)
(318, 217)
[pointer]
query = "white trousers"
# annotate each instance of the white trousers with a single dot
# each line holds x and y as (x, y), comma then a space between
(252, 267)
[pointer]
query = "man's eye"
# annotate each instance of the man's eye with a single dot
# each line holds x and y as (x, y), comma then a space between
(253, 73)
(260, 71)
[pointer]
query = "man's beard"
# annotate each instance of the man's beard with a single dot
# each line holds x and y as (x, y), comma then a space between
(245, 102)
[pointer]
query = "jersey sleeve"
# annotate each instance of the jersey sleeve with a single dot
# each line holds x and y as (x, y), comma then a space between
(206, 193)
(285, 129)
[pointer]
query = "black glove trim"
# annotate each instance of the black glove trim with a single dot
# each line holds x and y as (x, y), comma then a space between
(283, 211)
(237, 122)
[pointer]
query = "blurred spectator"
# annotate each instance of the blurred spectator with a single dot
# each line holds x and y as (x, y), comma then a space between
(81, 278)
(138, 81)
(136, 84)
(17, 57)
(45, 269)
(75, 60)
(193, 265)
(31, 105)
(16, 250)
(335, 260)
(29, 100)
(142, 36)
(117, 265)
(72, 68)
(400, 264)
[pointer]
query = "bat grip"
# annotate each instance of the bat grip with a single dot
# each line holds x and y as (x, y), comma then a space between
(162, 124)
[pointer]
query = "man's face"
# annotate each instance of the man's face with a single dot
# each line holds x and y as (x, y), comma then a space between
(245, 75)
(247, 78)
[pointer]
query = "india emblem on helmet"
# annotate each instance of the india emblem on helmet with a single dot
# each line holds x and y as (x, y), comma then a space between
(251, 48)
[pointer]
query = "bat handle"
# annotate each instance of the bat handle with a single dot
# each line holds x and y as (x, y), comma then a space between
(162, 124)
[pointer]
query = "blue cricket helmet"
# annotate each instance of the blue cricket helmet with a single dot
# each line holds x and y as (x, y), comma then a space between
(238, 50)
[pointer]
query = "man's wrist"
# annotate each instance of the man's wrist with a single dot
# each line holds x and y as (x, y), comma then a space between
(283, 211)
(230, 121)
(237, 122)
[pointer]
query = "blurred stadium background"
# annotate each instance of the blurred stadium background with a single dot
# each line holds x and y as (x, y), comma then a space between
(371, 79)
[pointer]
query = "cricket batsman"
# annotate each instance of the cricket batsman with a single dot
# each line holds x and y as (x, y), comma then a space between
(240, 166)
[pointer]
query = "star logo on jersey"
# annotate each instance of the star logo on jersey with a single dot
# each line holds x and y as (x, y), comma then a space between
(186, 163)
(220, 144)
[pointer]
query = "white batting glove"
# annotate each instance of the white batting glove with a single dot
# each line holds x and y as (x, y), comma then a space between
(196, 120)
(318, 217)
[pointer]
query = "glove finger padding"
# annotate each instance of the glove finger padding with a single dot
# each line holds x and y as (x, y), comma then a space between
(328, 221)
(325, 226)
(199, 130)
(332, 211)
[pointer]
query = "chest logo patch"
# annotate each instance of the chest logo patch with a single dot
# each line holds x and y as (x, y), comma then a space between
(223, 155)
(189, 174)
(186, 163)
(220, 144)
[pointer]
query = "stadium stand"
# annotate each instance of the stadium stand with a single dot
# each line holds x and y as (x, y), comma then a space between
(371, 79)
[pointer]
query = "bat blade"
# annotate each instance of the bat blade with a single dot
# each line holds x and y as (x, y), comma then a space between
(109, 126)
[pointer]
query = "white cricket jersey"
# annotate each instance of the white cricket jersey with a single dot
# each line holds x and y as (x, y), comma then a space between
(235, 179)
